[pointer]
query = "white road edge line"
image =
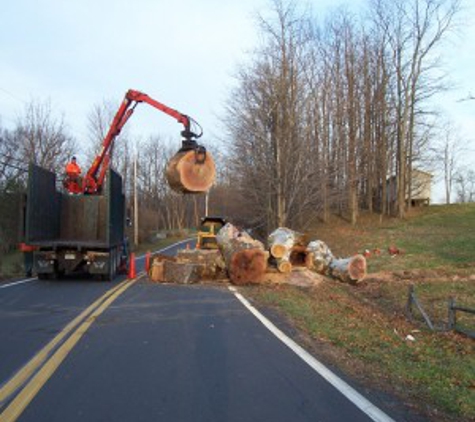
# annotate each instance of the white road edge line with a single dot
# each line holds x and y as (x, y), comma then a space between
(16, 283)
(168, 247)
(349, 392)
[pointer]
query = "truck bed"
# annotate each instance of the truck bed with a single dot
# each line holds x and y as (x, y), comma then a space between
(57, 219)
(72, 244)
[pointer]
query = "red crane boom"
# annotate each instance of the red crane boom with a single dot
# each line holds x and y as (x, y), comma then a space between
(94, 178)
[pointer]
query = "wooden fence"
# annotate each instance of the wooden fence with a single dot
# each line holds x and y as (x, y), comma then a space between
(453, 308)
(452, 325)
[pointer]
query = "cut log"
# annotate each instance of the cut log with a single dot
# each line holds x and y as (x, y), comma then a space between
(186, 174)
(157, 268)
(211, 260)
(245, 257)
(283, 239)
(321, 256)
(157, 273)
(300, 257)
(283, 265)
(349, 270)
(182, 273)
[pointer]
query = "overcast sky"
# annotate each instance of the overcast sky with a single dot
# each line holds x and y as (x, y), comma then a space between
(184, 53)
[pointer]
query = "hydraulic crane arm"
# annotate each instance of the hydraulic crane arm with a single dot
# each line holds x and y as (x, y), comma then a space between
(94, 178)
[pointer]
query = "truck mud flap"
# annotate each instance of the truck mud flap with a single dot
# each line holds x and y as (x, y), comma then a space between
(44, 263)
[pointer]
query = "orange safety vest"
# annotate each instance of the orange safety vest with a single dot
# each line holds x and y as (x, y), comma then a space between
(73, 169)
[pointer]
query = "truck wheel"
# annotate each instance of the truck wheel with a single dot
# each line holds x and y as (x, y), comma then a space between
(43, 276)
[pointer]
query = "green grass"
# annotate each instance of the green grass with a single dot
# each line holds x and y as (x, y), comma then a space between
(437, 369)
(441, 236)
(11, 265)
(366, 327)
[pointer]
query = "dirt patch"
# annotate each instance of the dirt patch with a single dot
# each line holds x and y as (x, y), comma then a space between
(300, 277)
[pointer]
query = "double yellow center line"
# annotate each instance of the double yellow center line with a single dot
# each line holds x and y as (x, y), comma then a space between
(29, 380)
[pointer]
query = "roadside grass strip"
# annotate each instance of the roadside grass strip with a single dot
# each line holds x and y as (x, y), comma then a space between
(28, 381)
(349, 392)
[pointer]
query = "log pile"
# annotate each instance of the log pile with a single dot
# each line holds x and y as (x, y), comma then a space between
(245, 260)
(288, 248)
(245, 257)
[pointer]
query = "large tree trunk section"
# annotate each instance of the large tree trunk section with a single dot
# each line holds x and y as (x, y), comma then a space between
(187, 175)
(282, 240)
(283, 264)
(288, 248)
(245, 257)
(157, 272)
(157, 269)
(182, 273)
(300, 257)
(211, 260)
(349, 270)
(321, 256)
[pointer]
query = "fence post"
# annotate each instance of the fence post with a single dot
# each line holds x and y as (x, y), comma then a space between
(410, 298)
(452, 316)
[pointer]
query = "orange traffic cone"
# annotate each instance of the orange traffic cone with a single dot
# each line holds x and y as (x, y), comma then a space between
(147, 261)
(132, 272)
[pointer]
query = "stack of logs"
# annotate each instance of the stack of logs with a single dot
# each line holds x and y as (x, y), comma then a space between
(289, 248)
(246, 259)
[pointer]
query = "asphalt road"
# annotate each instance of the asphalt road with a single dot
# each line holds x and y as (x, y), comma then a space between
(156, 353)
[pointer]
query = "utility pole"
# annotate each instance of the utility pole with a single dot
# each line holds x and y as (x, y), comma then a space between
(207, 203)
(136, 205)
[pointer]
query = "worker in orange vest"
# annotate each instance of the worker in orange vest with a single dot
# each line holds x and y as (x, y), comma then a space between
(72, 169)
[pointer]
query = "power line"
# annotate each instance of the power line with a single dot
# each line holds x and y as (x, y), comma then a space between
(12, 95)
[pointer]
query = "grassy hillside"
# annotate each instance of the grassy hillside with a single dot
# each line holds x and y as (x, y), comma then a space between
(440, 236)
(364, 329)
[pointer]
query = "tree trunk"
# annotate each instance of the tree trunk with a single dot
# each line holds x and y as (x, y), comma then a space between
(245, 257)
(288, 248)
(211, 260)
(283, 240)
(182, 273)
(321, 256)
(186, 175)
(349, 270)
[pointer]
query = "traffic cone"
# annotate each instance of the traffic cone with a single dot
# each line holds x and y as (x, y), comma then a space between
(132, 272)
(147, 261)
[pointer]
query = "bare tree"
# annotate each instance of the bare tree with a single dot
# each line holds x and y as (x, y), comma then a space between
(413, 30)
(265, 121)
(42, 138)
(99, 121)
(447, 154)
(465, 183)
